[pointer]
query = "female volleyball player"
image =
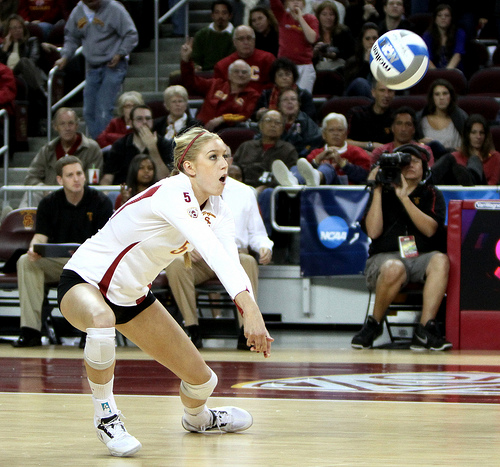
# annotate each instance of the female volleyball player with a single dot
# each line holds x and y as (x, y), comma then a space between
(104, 287)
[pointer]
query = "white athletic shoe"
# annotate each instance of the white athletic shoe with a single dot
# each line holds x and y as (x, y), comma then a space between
(111, 431)
(283, 175)
(228, 419)
(310, 174)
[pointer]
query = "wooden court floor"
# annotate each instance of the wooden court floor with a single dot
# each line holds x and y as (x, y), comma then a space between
(328, 406)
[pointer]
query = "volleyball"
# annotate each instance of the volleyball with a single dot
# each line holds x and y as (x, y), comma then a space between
(399, 59)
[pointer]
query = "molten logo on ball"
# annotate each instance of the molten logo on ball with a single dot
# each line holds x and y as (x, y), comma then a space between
(399, 59)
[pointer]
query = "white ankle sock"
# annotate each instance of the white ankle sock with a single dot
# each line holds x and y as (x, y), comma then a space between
(198, 416)
(103, 399)
(102, 391)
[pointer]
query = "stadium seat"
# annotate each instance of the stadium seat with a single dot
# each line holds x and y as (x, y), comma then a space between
(476, 57)
(420, 21)
(328, 83)
(454, 76)
(485, 82)
(342, 105)
(486, 106)
(495, 133)
(415, 102)
(234, 136)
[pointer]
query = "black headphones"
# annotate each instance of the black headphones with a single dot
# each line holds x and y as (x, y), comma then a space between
(420, 152)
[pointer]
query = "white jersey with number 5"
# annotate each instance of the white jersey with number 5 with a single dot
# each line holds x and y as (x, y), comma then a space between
(149, 231)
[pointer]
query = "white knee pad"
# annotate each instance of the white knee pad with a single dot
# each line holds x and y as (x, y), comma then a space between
(99, 350)
(200, 391)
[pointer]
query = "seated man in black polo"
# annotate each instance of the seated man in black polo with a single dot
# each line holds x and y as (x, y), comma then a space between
(142, 140)
(69, 215)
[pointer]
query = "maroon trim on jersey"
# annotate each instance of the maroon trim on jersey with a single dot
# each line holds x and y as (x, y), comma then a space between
(145, 194)
(106, 279)
(237, 307)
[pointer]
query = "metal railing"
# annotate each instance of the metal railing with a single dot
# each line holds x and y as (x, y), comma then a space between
(5, 148)
(293, 191)
(32, 188)
(158, 21)
(52, 107)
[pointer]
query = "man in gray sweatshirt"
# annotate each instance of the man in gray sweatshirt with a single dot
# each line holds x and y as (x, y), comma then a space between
(108, 35)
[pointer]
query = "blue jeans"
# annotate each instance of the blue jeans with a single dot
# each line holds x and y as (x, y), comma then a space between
(102, 87)
(178, 19)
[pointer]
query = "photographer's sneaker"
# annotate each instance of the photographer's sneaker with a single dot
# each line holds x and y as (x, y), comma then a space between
(228, 419)
(282, 175)
(111, 431)
(429, 338)
(310, 174)
(369, 332)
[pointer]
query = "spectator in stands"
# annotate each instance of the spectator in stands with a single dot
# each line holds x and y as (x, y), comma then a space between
(215, 41)
(69, 215)
(335, 163)
(404, 124)
(476, 163)
(260, 61)
(142, 140)
(441, 121)
(250, 237)
(175, 100)
(361, 12)
(141, 175)
(408, 217)
(69, 142)
(108, 35)
(370, 125)
(394, 17)
(300, 129)
(44, 13)
(297, 34)
(255, 157)
(263, 22)
(358, 77)
(477, 141)
(21, 53)
(335, 44)
(227, 102)
(284, 75)
(122, 124)
(446, 42)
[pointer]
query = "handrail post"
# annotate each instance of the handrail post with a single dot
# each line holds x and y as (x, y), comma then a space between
(157, 42)
(5, 149)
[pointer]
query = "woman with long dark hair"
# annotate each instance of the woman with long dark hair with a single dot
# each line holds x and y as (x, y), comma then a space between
(335, 44)
(477, 141)
(446, 42)
(441, 120)
(265, 25)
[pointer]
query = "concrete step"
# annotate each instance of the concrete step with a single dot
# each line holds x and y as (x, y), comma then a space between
(148, 71)
(144, 84)
(15, 176)
(165, 56)
(22, 159)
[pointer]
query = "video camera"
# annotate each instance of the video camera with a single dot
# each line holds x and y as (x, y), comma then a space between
(390, 167)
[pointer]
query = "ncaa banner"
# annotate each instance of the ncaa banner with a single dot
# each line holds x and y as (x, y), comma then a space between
(331, 240)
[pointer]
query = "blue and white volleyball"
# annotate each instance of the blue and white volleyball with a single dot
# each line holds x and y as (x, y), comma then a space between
(399, 59)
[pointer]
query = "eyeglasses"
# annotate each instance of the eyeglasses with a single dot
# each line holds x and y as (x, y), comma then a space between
(143, 119)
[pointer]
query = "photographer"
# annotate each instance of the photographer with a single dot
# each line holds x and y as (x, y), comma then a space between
(405, 222)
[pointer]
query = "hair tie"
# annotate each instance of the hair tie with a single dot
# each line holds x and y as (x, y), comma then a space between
(181, 160)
